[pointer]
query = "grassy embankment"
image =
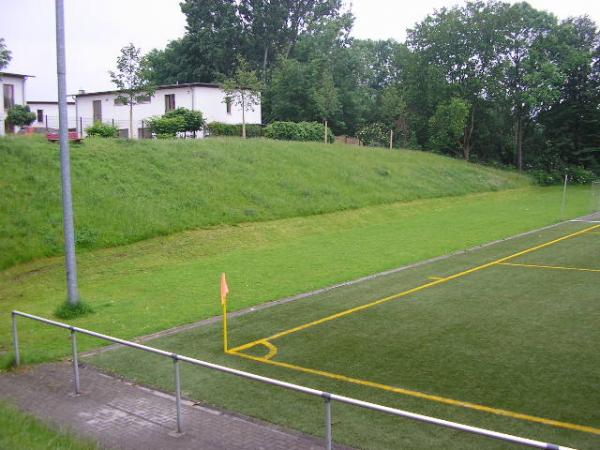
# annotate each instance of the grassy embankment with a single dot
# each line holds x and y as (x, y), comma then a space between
(21, 431)
(127, 191)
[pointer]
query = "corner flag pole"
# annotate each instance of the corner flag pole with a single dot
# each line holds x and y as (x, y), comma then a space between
(224, 292)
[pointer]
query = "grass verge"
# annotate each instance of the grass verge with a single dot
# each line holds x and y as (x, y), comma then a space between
(22, 431)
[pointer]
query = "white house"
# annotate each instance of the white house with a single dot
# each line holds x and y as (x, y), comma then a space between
(205, 97)
(47, 114)
(13, 93)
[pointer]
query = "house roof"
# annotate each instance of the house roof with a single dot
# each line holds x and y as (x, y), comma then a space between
(44, 102)
(164, 86)
(16, 75)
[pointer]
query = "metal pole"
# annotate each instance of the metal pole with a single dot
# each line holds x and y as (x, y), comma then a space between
(564, 198)
(81, 126)
(177, 392)
(16, 340)
(328, 432)
(391, 139)
(46, 122)
(75, 361)
(65, 159)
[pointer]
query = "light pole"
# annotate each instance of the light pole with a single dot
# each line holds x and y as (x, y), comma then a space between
(65, 159)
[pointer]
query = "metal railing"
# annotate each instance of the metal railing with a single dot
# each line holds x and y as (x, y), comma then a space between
(327, 397)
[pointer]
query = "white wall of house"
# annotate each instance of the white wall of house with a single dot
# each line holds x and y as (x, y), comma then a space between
(47, 114)
(15, 84)
(209, 99)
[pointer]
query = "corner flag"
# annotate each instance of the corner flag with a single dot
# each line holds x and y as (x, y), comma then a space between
(224, 289)
(224, 293)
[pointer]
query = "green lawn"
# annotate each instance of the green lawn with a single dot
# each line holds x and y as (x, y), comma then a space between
(163, 282)
(21, 431)
(126, 191)
(517, 336)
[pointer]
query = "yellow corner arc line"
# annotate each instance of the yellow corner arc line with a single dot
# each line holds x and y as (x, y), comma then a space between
(272, 349)
(541, 266)
(425, 396)
(415, 289)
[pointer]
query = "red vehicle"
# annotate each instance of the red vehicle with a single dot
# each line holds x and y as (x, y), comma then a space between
(73, 137)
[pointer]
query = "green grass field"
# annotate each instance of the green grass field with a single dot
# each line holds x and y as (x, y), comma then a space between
(510, 330)
(21, 431)
(164, 282)
(126, 191)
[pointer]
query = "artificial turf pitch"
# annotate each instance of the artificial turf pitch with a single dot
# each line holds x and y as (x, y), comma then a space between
(505, 337)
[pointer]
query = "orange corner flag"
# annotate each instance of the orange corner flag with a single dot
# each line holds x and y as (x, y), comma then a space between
(224, 289)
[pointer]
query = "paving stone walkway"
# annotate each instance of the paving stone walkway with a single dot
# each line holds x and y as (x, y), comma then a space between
(121, 415)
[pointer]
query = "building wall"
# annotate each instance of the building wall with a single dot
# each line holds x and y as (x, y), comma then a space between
(208, 100)
(50, 115)
(19, 96)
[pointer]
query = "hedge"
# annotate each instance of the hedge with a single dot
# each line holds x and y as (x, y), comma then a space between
(225, 129)
(297, 131)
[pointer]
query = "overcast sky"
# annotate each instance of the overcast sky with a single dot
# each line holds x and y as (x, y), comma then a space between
(97, 29)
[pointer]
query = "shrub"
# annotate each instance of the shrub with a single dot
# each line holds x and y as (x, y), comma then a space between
(20, 115)
(226, 129)
(577, 175)
(165, 127)
(192, 120)
(102, 130)
(374, 135)
(297, 131)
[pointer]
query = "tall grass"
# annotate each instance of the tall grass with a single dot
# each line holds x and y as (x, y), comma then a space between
(126, 191)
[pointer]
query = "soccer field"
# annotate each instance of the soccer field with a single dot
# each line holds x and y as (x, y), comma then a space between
(505, 336)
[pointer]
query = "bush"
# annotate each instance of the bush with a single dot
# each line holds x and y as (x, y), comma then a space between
(577, 175)
(297, 131)
(192, 120)
(20, 115)
(102, 130)
(225, 129)
(374, 135)
(166, 127)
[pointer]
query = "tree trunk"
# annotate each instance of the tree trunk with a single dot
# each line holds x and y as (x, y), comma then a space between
(265, 59)
(243, 116)
(468, 137)
(519, 143)
(130, 120)
(325, 133)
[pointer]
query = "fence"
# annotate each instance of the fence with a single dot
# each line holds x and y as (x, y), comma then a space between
(327, 397)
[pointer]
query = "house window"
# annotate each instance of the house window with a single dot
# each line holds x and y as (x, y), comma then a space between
(169, 102)
(142, 99)
(40, 115)
(228, 104)
(9, 96)
(120, 101)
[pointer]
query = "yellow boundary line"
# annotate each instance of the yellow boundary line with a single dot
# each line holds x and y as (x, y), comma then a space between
(435, 398)
(540, 266)
(501, 412)
(413, 290)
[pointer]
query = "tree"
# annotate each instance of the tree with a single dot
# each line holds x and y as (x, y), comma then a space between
(5, 54)
(448, 124)
(530, 75)
(131, 80)
(192, 120)
(20, 116)
(243, 89)
(326, 99)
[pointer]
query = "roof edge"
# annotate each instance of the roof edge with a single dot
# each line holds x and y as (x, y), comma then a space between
(163, 86)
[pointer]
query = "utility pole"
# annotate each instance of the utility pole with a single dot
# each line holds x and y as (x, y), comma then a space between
(65, 159)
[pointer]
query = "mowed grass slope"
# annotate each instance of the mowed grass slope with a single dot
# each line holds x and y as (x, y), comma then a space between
(126, 191)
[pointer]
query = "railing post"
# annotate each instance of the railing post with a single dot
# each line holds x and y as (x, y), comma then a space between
(75, 362)
(16, 340)
(328, 432)
(177, 392)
